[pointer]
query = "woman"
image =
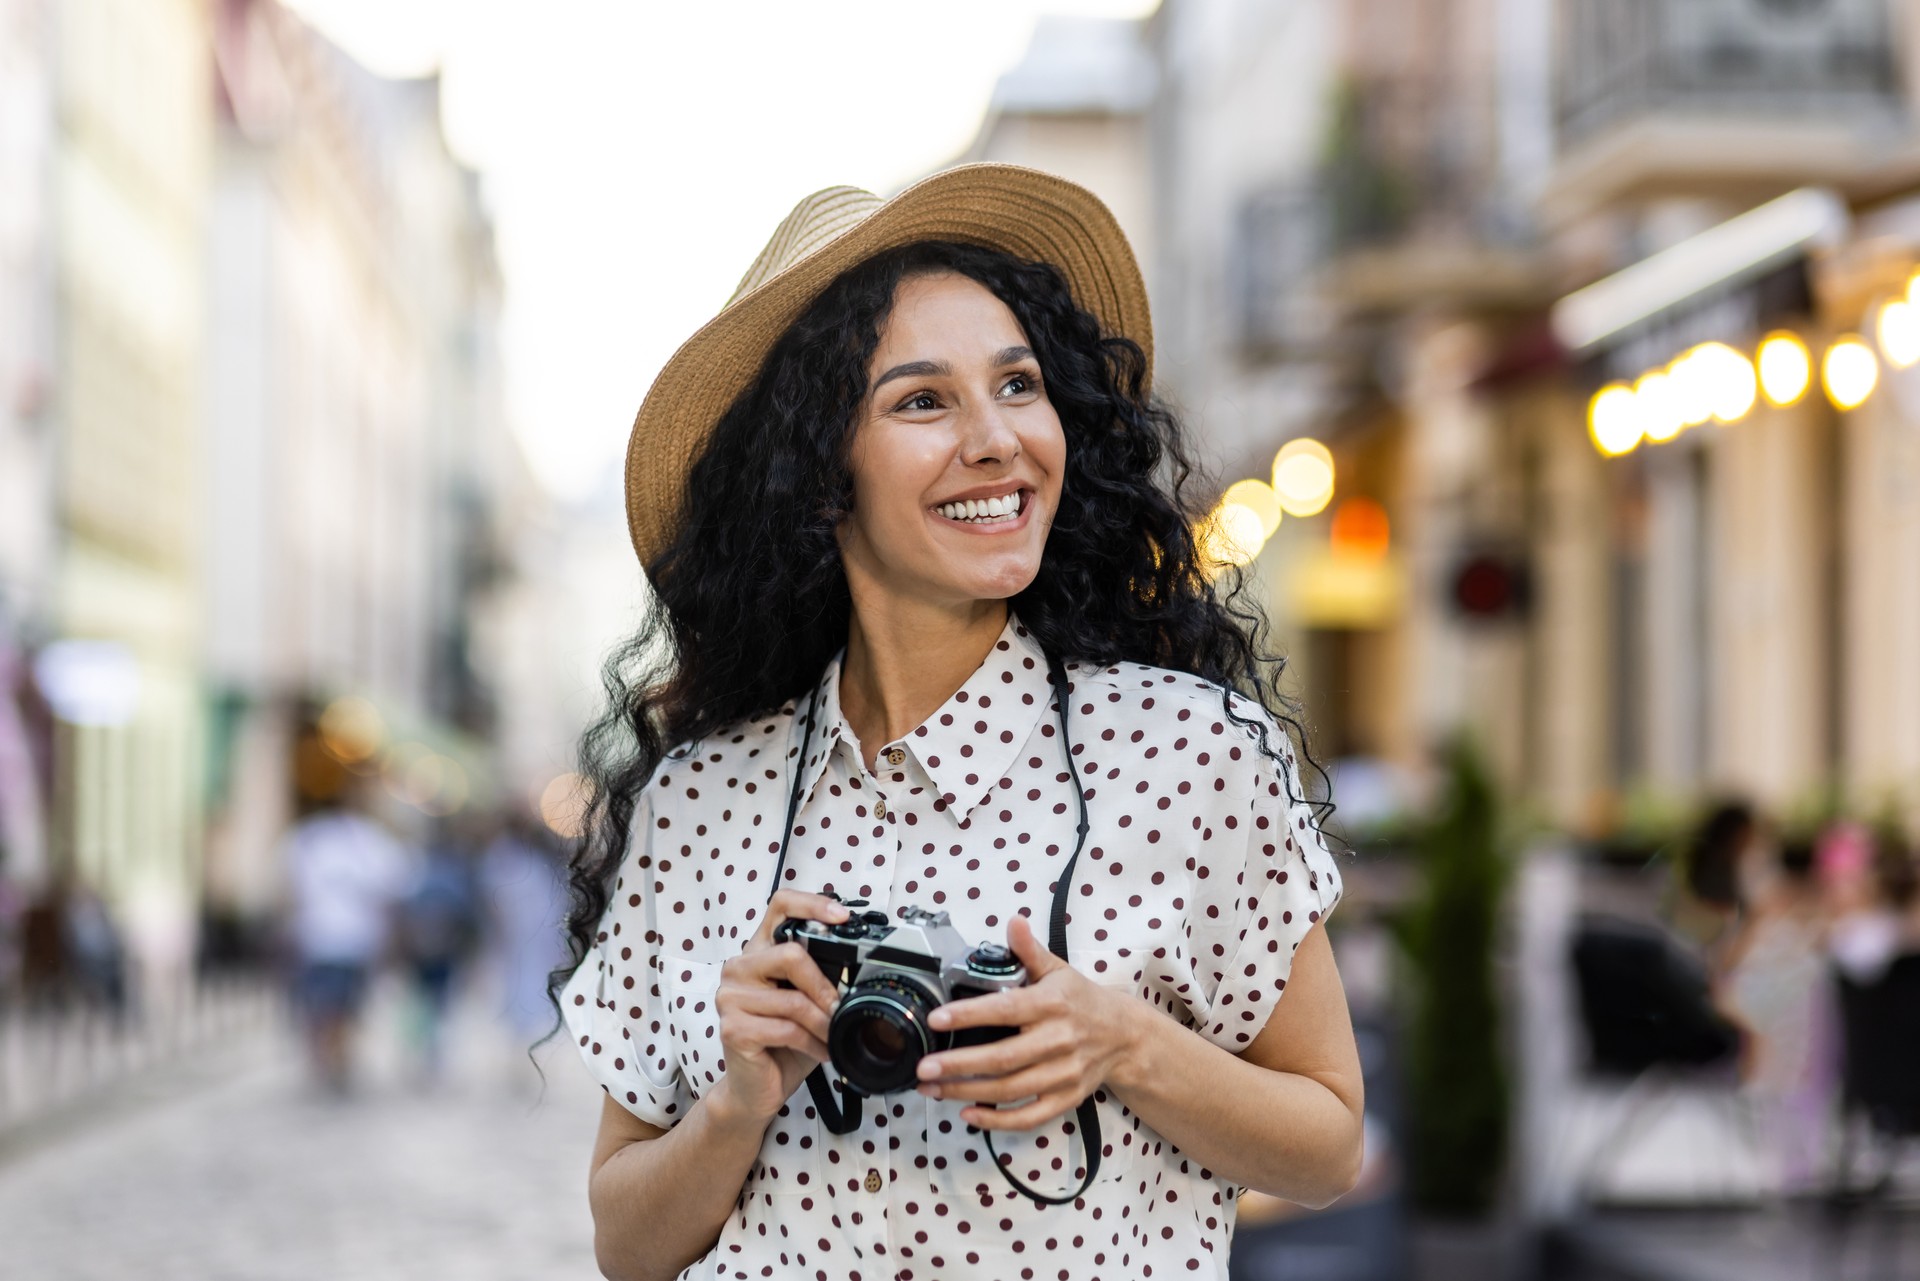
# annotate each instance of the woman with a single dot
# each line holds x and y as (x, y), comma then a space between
(927, 494)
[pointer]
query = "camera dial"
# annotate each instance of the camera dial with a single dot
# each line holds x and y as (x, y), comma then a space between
(992, 958)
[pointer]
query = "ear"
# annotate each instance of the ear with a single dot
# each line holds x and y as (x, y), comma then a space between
(1026, 947)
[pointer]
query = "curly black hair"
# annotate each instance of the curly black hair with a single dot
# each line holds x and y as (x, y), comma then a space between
(749, 599)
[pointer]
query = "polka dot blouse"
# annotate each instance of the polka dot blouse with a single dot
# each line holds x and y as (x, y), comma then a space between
(1198, 881)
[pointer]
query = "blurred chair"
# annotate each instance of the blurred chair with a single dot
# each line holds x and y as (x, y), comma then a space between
(1880, 1066)
(1650, 1023)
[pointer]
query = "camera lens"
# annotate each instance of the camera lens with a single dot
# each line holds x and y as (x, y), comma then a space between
(879, 1034)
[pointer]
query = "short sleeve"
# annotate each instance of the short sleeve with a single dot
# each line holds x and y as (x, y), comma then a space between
(1274, 881)
(613, 1005)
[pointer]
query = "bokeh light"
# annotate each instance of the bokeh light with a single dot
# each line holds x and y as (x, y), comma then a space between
(1303, 476)
(1690, 379)
(1785, 368)
(1359, 529)
(1256, 496)
(563, 805)
(1231, 535)
(1657, 406)
(1898, 328)
(1849, 372)
(352, 730)
(1613, 420)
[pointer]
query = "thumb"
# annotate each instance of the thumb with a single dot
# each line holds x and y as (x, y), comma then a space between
(1028, 949)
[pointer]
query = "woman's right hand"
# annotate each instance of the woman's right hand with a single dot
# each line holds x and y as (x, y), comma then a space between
(771, 1035)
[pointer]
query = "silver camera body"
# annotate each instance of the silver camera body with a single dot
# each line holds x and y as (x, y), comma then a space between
(892, 975)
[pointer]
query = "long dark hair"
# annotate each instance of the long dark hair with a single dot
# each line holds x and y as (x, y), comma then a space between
(749, 599)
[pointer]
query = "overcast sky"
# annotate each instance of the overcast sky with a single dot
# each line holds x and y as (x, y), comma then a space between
(638, 154)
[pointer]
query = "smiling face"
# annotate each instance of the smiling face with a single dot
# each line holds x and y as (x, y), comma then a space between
(958, 455)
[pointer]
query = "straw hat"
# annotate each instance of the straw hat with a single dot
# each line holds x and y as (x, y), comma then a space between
(1024, 212)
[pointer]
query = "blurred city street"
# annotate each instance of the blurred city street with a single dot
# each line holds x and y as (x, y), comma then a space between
(1552, 368)
(468, 1179)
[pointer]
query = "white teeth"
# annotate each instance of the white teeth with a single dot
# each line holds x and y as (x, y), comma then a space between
(983, 510)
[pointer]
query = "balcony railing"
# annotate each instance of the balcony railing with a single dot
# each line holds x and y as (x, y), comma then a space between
(1801, 60)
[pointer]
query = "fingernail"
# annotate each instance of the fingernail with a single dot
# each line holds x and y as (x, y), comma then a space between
(939, 1019)
(929, 1069)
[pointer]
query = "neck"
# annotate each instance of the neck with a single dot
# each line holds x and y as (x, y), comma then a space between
(905, 659)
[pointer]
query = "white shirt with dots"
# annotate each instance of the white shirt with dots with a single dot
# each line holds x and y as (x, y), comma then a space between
(1199, 878)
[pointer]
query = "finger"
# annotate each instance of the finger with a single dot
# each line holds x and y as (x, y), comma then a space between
(778, 1003)
(1038, 960)
(998, 1058)
(783, 963)
(1030, 1116)
(1051, 1076)
(752, 1033)
(1015, 1007)
(795, 905)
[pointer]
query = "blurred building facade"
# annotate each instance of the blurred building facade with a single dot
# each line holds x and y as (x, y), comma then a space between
(128, 155)
(356, 442)
(253, 453)
(1364, 215)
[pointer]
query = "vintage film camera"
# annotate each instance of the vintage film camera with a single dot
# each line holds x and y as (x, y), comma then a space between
(891, 977)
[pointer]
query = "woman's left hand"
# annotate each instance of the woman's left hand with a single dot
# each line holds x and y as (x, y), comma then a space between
(1073, 1034)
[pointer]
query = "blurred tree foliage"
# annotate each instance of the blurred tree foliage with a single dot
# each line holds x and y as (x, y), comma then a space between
(1456, 1072)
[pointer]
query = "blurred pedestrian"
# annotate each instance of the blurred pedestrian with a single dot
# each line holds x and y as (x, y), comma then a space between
(439, 926)
(346, 875)
(1776, 986)
(523, 883)
(1716, 860)
(1869, 878)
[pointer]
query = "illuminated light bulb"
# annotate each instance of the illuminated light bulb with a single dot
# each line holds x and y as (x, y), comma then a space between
(1690, 380)
(1734, 383)
(1232, 535)
(1257, 496)
(1303, 476)
(1785, 367)
(1898, 328)
(1658, 405)
(1613, 420)
(1849, 372)
(1913, 289)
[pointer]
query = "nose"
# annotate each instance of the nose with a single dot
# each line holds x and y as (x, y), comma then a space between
(989, 436)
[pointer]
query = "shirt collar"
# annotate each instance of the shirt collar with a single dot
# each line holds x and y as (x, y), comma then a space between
(968, 743)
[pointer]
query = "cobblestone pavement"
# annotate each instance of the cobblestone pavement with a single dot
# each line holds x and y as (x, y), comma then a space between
(256, 1178)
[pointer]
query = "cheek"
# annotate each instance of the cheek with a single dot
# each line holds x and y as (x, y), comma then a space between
(1047, 446)
(891, 472)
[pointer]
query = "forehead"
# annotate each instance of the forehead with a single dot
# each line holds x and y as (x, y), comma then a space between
(949, 311)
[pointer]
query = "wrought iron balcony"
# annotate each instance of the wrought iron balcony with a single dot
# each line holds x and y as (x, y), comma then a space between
(1802, 61)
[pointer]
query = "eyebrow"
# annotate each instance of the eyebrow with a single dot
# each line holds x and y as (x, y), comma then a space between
(941, 369)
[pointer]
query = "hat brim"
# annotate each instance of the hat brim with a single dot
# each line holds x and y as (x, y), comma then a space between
(1024, 212)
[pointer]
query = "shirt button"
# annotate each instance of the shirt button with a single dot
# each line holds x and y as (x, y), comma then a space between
(873, 1180)
(879, 808)
(895, 756)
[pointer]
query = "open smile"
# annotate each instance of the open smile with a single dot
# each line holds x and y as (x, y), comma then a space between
(998, 514)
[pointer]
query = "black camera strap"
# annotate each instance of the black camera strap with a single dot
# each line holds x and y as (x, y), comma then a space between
(843, 1116)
